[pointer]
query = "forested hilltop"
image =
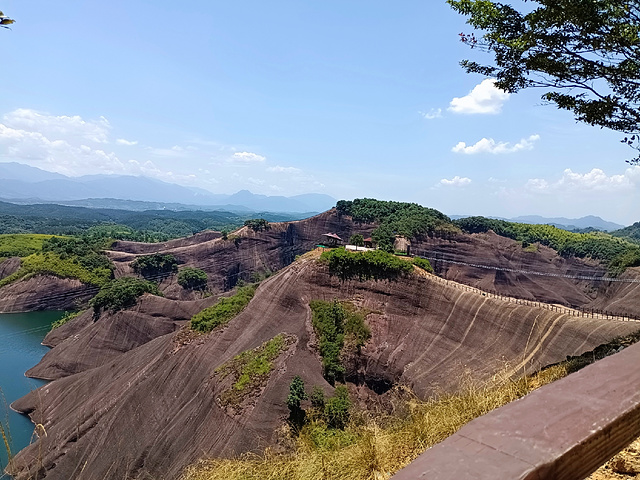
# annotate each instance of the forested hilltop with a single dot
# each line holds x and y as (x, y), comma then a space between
(632, 232)
(413, 221)
(147, 226)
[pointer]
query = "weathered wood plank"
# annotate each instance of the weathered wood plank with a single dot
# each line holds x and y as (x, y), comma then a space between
(563, 431)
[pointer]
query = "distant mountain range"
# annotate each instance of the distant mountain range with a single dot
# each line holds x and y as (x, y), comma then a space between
(25, 184)
(590, 221)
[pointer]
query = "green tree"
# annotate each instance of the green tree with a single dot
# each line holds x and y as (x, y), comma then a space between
(296, 395)
(156, 265)
(317, 398)
(257, 224)
(5, 21)
(357, 240)
(336, 409)
(122, 293)
(584, 53)
(192, 278)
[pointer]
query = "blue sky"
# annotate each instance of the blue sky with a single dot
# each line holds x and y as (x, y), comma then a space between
(351, 99)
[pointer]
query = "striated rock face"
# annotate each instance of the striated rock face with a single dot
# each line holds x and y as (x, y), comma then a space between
(86, 342)
(491, 250)
(9, 266)
(248, 255)
(245, 254)
(44, 292)
(149, 248)
(134, 394)
(620, 298)
(542, 274)
(151, 408)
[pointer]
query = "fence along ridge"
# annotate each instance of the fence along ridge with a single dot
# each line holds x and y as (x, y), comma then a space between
(565, 309)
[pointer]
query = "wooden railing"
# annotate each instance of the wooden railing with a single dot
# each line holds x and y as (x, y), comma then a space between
(563, 431)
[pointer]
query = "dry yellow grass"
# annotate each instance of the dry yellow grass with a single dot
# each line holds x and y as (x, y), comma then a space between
(375, 447)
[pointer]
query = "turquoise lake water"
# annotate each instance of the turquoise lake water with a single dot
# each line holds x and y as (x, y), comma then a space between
(21, 335)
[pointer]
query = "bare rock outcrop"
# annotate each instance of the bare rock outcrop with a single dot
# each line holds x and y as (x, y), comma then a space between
(9, 266)
(245, 254)
(44, 292)
(151, 410)
(87, 342)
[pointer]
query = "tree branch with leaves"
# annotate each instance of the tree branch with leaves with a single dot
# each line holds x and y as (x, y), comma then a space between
(5, 21)
(585, 53)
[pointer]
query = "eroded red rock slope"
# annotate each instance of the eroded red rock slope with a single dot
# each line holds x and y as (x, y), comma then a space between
(152, 410)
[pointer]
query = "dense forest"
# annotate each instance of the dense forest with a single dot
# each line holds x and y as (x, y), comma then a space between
(394, 218)
(147, 226)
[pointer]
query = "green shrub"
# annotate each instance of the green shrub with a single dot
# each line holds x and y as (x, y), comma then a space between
(158, 264)
(357, 240)
(317, 398)
(334, 322)
(296, 395)
(223, 311)
(52, 264)
(251, 369)
(192, 278)
(257, 224)
(369, 265)
(423, 263)
(122, 293)
(336, 408)
(68, 316)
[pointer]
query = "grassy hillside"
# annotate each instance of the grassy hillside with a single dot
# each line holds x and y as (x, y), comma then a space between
(373, 446)
(64, 257)
(21, 245)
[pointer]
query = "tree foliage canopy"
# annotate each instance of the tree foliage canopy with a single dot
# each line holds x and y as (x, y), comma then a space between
(257, 224)
(157, 264)
(395, 218)
(5, 21)
(192, 278)
(122, 293)
(223, 311)
(357, 240)
(586, 53)
(369, 265)
(337, 324)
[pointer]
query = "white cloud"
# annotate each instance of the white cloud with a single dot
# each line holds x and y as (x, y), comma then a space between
(456, 181)
(247, 157)
(484, 98)
(96, 131)
(279, 169)
(68, 155)
(75, 146)
(595, 180)
(489, 145)
(122, 141)
(432, 114)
